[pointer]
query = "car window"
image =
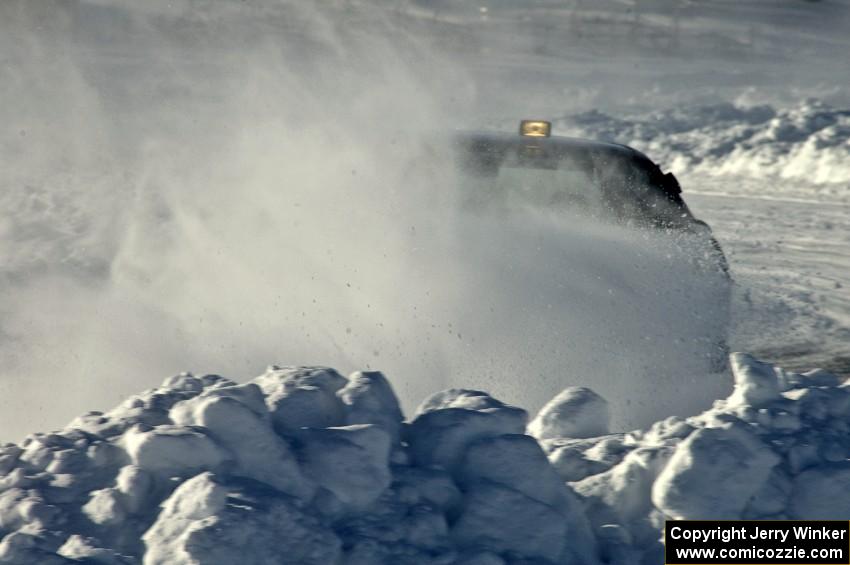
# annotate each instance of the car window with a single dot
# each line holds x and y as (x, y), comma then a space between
(564, 187)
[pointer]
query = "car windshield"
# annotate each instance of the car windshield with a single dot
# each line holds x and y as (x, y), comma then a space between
(566, 186)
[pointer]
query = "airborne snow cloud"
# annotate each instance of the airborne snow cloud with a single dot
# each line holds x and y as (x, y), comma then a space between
(209, 189)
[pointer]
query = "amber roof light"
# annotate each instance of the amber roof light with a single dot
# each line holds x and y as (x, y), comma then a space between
(535, 128)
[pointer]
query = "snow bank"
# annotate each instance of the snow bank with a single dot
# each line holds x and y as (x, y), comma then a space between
(307, 464)
(809, 142)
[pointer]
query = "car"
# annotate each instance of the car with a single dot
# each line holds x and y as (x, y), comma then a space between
(600, 179)
(606, 182)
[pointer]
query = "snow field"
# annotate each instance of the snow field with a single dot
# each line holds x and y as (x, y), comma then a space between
(303, 465)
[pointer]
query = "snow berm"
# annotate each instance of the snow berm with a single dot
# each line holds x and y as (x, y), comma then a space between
(305, 466)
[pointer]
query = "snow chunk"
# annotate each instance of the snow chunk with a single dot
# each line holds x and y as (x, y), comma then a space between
(149, 408)
(459, 398)
(19, 507)
(184, 382)
(172, 450)
(369, 399)
(29, 547)
(212, 522)
(9, 455)
(819, 377)
(772, 498)
(300, 397)
(86, 550)
(429, 486)
(822, 493)
(577, 412)
(515, 461)
(576, 459)
(249, 395)
(502, 519)
(622, 494)
(235, 416)
(450, 420)
(393, 533)
(136, 486)
(756, 383)
(105, 507)
(352, 462)
(713, 473)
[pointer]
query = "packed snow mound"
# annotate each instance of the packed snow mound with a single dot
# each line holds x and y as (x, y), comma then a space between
(809, 142)
(307, 466)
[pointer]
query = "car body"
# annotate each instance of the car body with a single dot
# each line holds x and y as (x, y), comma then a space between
(604, 181)
(608, 181)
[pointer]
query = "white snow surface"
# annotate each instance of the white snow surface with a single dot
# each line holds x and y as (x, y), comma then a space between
(203, 471)
(809, 141)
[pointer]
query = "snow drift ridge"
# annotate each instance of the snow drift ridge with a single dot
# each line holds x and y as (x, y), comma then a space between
(306, 465)
(808, 142)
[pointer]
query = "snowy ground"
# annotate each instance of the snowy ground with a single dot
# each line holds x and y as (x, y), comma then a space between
(794, 307)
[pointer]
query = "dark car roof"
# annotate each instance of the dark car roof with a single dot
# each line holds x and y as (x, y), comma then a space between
(555, 142)
(492, 147)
